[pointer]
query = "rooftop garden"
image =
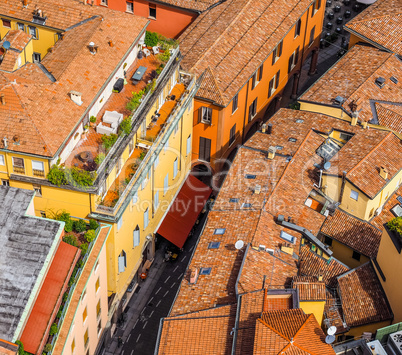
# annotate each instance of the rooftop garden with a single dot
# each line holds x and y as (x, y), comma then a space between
(395, 225)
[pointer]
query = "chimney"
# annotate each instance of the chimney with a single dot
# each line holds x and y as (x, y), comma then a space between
(320, 276)
(2, 99)
(355, 117)
(264, 128)
(25, 3)
(193, 276)
(92, 48)
(383, 172)
(76, 97)
(5, 142)
(271, 152)
(257, 189)
(269, 128)
(110, 43)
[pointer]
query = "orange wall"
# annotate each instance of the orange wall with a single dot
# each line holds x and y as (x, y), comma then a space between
(222, 117)
(169, 21)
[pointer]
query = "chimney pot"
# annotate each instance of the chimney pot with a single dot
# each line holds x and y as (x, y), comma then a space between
(355, 117)
(271, 152)
(383, 172)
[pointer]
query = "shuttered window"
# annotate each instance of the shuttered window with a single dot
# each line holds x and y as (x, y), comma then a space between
(232, 134)
(205, 149)
(146, 218)
(188, 145)
(156, 200)
(122, 261)
(166, 183)
(136, 236)
(175, 168)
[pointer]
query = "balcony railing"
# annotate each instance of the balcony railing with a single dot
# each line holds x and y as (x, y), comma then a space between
(18, 170)
(38, 173)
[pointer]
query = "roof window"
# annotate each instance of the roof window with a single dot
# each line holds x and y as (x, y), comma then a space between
(380, 82)
(213, 245)
(394, 79)
(219, 231)
(250, 176)
(289, 238)
(205, 271)
(279, 147)
(234, 200)
(291, 139)
(299, 120)
(246, 205)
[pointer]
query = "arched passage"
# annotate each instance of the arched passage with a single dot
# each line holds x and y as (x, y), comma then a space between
(203, 173)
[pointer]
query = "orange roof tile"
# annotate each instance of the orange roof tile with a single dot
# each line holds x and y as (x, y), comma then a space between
(353, 232)
(195, 5)
(44, 311)
(380, 23)
(389, 115)
(310, 289)
(362, 296)
(18, 40)
(233, 39)
(353, 78)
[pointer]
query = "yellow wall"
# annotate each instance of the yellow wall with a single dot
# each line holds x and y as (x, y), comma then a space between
(344, 254)
(370, 328)
(315, 307)
(324, 109)
(390, 262)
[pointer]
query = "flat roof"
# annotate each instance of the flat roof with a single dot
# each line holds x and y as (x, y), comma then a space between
(26, 242)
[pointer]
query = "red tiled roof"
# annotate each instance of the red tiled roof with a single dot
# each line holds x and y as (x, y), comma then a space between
(362, 296)
(353, 232)
(386, 215)
(18, 40)
(380, 23)
(234, 38)
(390, 116)
(310, 289)
(312, 264)
(195, 5)
(290, 332)
(46, 305)
(333, 312)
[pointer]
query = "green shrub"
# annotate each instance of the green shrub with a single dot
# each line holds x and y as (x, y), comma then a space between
(20, 347)
(92, 119)
(90, 235)
(65, 297)
(81, 177)
(135, 100)
(395, 225)
(93, 224)
(53, 329)
(59, 314)
(84, 248)
(79, 225)
(159, 70)
(165, 56)
(65, 217)
(125, 126)
(100, 158)
(295, 106)
(151, 39)
(71, 281)
(57, 176)
(108, 141)
(70, 239)
(47, 348)
(142, 155)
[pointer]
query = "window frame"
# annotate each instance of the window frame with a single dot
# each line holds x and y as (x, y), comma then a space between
(188, 145)
(30, 27)
(356, 255)
(39, 172)
(156, 200)
(6, 20)
(2, 160)
(205, 153)
(153, 8)
(136, 236)
(252, 110)
(131, 10)
(175, 167)
(355, 194)
(5, 182)
(146, 218)
(232, 136)
(19, 24)
(293, 59)
(257, 77)
(277, 52)
(205, 115)
(235, 103)
(298, 28)
(38, 55)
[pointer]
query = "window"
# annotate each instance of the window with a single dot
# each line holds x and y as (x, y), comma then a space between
(129, 6)
(36, 57)
(233, 200)
(84, 315)
(328, 241)
(18, 165)
(175, 168)
(356, 255)
(156, 162)
(273, 84)
(86, 339)
(277, 52)
(156, 200)
(6, 23)
(298, 27)
(146, 218)
(293, 59)
(72, 346)
(205, 115)
(257, 76)
(119, 222)
(20, 26)
(131, 146)
(232, 134)
(252, 110)
(354, 195)
(205, 149)
(38, 190)
(122, 261)
(42, 213)
(33, 32)
(97, 285)
(152, 11)
(235, 103)
(312, 35)
(213, 245)
(166, 184)
(188, 145)
(2, 161)
(205, 271)
(104, 2)
(288, 237)
(38, 168)
(315, 7)
(136, 236)
(219, 231)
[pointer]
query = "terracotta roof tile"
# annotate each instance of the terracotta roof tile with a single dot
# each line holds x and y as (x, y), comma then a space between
(18, 40)
(195, 5)
(353, 232)
(234, 38)
(312, 264)
(210, 88)
(389, 115)
(386, 214)
(309, 290)
(362, 296)
(333, 314)
(353, 78)
(381, 24)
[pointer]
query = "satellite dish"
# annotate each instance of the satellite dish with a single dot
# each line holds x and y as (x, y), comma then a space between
(6, 45)
(239, 244)
(327, 165)
(329, 339)
(331, 330)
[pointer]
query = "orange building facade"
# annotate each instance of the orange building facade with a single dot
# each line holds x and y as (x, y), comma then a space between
(218, 129)
(167, 20)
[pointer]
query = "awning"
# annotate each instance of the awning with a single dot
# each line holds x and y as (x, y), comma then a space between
(184, 211)
(49, 298)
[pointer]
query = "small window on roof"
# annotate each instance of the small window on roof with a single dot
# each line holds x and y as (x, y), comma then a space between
(246, 205)
(299, 120)
(219, 231)
(288, 237)
(279, 147)
(234, 200)
(213, 245)
(205, 271)
(291, 139)
(250, 176)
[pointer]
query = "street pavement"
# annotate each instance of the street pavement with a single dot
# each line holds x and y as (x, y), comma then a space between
(153, 300)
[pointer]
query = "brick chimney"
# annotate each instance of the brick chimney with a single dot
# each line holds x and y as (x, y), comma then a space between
(271, 152)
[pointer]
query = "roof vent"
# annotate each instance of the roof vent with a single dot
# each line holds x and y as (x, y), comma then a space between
(92, 47)
(383, 172)
(76, 97)
(271, 152)
(394, 79)
(380, 82)
(16, 140)
(5, 142)
(339, 100)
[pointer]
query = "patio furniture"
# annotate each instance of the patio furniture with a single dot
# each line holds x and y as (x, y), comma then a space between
(118, 85)
(113, 118)
(138, 74)
(147, 52)
(155, 50)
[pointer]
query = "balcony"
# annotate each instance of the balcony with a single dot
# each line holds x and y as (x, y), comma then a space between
(38, 173)
(18, 170)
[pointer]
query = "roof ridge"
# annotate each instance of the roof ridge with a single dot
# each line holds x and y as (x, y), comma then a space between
(373, 18)
(273, 329)
(370, 153)
(215, 82)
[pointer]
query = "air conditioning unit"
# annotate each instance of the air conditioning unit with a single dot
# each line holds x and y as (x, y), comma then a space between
(394, 344)
(261, 247)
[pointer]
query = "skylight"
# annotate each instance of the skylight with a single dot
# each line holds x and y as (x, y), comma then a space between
(299, 120)
(246, 205)
(289, 238)
(250, 176)
(219, 231)
(205, 271)
(279, 147)
(291, 139)
(213, 245)
(234, 200)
